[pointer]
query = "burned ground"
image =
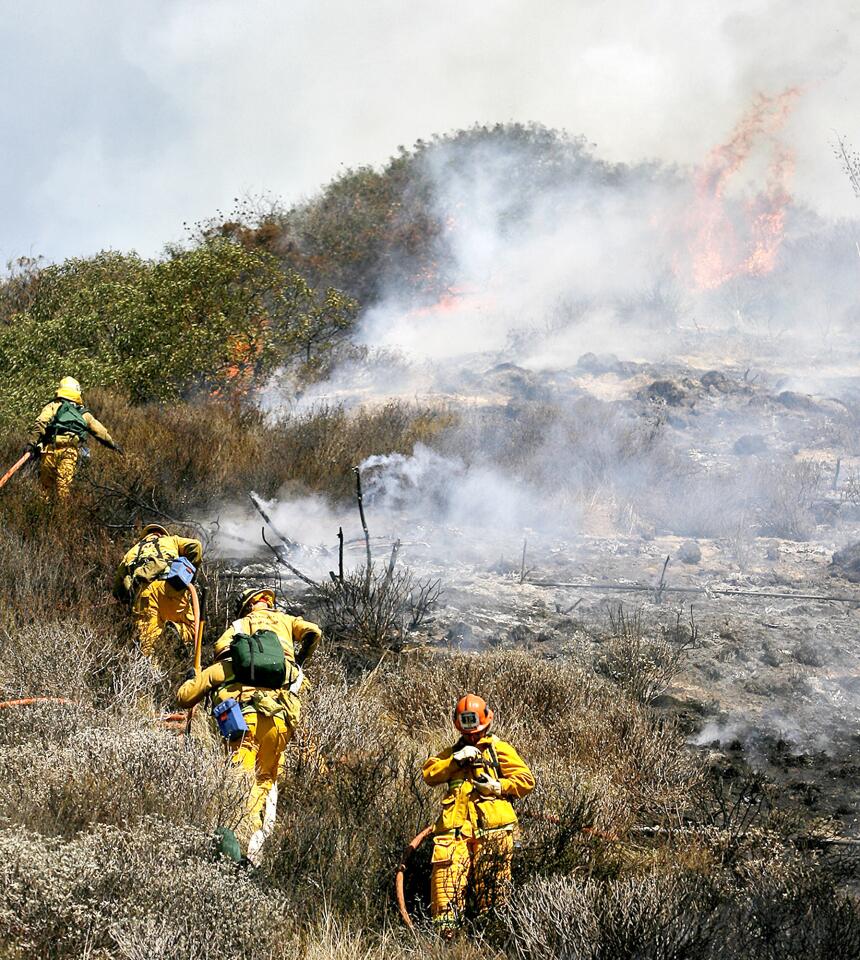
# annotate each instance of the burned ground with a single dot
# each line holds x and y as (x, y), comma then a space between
(748, 492)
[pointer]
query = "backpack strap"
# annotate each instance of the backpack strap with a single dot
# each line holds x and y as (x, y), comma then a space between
(494, 759)
(49, 434)
(137, 560)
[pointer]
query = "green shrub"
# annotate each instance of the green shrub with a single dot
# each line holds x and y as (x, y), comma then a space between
(217, 317)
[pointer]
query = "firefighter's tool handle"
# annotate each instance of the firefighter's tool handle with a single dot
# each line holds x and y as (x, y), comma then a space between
(198, 646)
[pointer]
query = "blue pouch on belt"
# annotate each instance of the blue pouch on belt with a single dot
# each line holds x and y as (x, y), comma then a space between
(180, 573)
(231, 723)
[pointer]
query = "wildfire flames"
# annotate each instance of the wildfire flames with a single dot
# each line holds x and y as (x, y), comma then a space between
(722, 248)
(453, 299)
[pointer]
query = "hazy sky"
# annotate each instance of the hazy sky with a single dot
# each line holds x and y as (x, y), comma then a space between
(120, 120)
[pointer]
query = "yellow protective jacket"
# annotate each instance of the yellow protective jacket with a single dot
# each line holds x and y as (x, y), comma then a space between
(149, 558)
(290, 630)
(219, 679)
(463, 808)
(46, 417)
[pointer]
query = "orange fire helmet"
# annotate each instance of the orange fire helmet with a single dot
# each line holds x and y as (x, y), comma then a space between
(472, 715)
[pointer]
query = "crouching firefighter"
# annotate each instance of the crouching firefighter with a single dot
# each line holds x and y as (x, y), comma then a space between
(59, 435)
(154, 577)
(473, 839)
(255, 683)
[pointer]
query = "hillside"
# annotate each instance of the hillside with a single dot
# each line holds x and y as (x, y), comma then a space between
(604, 472)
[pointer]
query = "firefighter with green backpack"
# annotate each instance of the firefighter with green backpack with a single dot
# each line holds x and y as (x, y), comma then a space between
(255, 683)
(59, 434)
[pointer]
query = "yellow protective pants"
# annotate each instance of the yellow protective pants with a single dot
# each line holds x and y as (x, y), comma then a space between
(261, 753)
(155, 605)
(57, 467)
(485, 861)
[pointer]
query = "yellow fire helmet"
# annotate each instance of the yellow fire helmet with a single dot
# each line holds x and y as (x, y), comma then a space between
(246, 598)
(69, 389)
(151, 528)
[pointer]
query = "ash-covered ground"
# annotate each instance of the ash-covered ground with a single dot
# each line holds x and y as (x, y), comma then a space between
(753, 486)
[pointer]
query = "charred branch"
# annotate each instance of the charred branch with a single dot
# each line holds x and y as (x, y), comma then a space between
(258, 506)
(360, 497)
(280, 555)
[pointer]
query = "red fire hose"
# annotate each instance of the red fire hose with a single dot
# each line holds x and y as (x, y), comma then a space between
(170, 720)
(411, 847)
(26, 701)
(7, 476)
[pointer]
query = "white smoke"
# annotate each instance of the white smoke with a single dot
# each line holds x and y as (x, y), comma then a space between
(119, 111)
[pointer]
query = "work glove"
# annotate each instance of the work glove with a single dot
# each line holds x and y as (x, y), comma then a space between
(466, 755)
(190, 674)
(487, 786)
(30, 448)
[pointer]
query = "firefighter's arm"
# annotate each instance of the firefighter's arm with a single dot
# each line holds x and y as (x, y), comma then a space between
(42, 422)
(194, 690)
(193, 549)
(222, 644)
(98, 430)
(441, 768)
(308, 635)
(516, 780)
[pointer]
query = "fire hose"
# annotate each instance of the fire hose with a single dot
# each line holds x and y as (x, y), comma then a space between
(180, 721)
(7, 476)
(171, 720)
(411, 847)
(26, 701)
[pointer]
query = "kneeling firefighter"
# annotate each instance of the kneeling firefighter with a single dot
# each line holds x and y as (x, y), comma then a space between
(255, 681)
(58, 436)
(154, 577)
(473, 839)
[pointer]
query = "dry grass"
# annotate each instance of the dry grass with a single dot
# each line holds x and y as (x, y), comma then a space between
(782, 910)
(112, 816)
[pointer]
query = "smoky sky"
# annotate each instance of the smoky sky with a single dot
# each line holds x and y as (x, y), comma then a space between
(121, 121)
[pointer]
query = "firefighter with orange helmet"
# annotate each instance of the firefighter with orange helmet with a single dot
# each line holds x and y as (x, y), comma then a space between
(473, 839)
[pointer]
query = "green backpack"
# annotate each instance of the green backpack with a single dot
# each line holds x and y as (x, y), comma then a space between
(69, 418)
(258, 659)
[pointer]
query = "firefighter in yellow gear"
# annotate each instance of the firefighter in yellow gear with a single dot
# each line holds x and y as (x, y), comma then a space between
(473, 839)
(271, 715)
(156, 599)
(58, 434)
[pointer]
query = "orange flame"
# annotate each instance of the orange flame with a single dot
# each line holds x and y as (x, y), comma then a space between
(237, 377)
(717, 252)
(457, 297)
